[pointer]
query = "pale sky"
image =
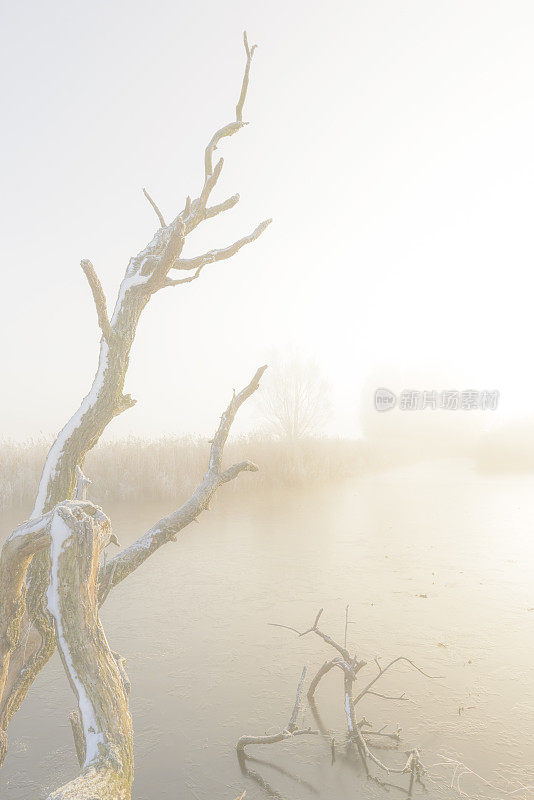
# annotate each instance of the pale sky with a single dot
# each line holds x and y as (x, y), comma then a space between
(391, 142)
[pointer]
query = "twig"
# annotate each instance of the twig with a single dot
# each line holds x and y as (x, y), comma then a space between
(314, 629)
(156, 209)
(388, 696)
(382, 670)
(241, 102)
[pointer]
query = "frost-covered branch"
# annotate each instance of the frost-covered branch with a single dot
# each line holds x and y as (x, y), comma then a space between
(359, 734)
(156, 209)
(219, 255)
(167, 528)
(232, 127)
(347, 661)
(99, 297)
(288, 732)
(101, 725)
(382, 670)
(226, 205)
(242, 97)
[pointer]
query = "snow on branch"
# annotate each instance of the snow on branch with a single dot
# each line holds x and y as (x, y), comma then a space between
(219, 255)
(212, 211)
(167, 529)
(99, 297)
(102, 725)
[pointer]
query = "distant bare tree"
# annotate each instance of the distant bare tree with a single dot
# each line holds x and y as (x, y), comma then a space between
(294, 401)
(54, 575)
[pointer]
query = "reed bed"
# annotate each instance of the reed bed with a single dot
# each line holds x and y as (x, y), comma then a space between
(136, 469)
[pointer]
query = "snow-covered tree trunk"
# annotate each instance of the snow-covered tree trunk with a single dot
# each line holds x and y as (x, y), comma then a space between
(51, 584)
(102, 725)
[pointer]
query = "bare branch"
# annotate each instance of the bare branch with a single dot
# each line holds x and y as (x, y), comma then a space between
(223, 253)
(212, 211)
(125, 402)
(290, 730)
(241, 102)
(369, 753)
(395, 736)
(356, 734)
(232, 127)
(209, 185)
(233, 471)
(156, 209)
(324, 670)
(226, 130)
(326, 638)
(388, 696)
(219, 440)
(177, 282)
(167, 529)
(292, 726)
(99, 297)
(381, 671)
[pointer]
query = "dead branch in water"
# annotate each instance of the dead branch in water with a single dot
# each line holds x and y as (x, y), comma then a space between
(359, 734)
(289, 731)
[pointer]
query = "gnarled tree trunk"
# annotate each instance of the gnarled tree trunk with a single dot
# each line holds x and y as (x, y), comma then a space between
(51, 579)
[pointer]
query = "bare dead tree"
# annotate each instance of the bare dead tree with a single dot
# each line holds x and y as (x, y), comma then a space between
(359, 732)
(52, 579)
(294, 401)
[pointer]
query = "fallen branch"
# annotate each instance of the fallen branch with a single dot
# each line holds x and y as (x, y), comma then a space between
(359, 734)
(290, 730)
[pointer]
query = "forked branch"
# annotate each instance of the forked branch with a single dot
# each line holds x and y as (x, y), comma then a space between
(167, 529)
(359, 734)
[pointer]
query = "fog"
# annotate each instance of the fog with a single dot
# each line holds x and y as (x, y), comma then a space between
(392, 145)
(390, 142)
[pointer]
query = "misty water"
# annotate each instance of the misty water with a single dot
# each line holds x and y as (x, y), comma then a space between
(435, 562)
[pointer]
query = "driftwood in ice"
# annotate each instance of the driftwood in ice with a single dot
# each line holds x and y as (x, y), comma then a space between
(359, 734)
